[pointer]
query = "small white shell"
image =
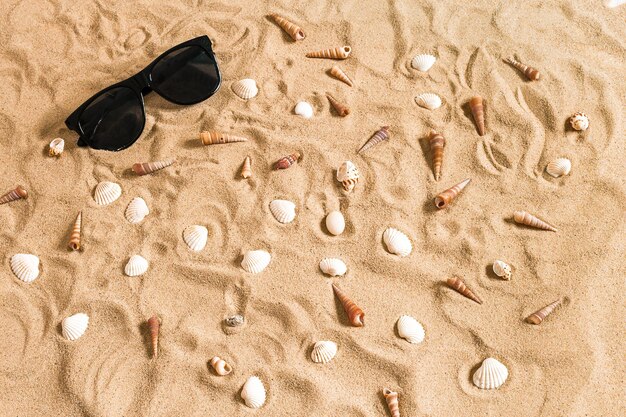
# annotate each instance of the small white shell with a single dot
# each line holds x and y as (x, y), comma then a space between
(74, 326)
(335, 223)
(559, 167)
(255, 261)
(137, 210)
(195, 237)
(107, 192)
(333, 267)
(304, 109)
(323, 351)
(253, 392)
(429, 101)
(614, 3)
(245, 89)
(502, 269)
(56, 147)
(137, 265)
(579, 121)
(397, 242)
(423, 62)
(25, 267)
(491, 374)
(410, 329)
(283, 210)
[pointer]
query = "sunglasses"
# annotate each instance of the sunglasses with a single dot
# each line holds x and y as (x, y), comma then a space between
(114, 118)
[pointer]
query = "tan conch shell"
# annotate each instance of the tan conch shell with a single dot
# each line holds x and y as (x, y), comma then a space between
(478, 112)
(348, 175)
(154, 325)
(332, 53)
(442, 200)
(220, 366)
(579, 121)
(287, 161)
(339, 74)
(16, 194)
(150, 167)
(522, 217)
(296, 33)
(74, 242)
(437, 143)
(538, 316)
(392, 402)
(341, 110)
(56, 147)
(355, 314)
(381, 135)
(531, 73)
(458, 285)
(216, 138)
(246, 169)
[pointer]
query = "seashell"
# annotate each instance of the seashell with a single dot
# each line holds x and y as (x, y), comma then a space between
(423, 62)
(502, 269)
(579, 121)
(531, 73)
(287, 161)
(428, 101)
(614, 3)
(478, 112)
(107, 192)
(410, 329)
(136, 211)
(220, 366)
(459, 286)
(25, 267)
(154, 325)
(323, 351)
(522, 217)
(392, 402)
(341, 110)
(491, 374)
(333, 267)
(348, 175)
(150, 167)
(234, 320)
(335, 223)
(437, 143)
(56, 147)
(339, 74)
(283, 210)
(443, 199)
(217, 138)
(296, 33)
(255, 261)
(538, 316)
(381, 135)
(332, 53)
(304, 109)
(355, 314)
(16, 194)
(75, 326)
(246, 169)
(245, 89)
(253, 392)
(397, 242)
(196, 237)
(137, 265)
(559, 167)
(74, 242)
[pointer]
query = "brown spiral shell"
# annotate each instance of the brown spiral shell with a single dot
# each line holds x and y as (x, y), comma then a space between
(342, 110)
(74, 242)
(246, 170)
(296, 33)
(392, 402)
(442, 200)
(154, 326)
(522, 217)
(216, 138)
(341, 52)
(478, 112)
(437, 143)
(355, 314)
(381, 135)
(150, 167)
(531, 73)
(287, 161)
(16, 194)
(459, 286)
(339, 74)
(538, 316)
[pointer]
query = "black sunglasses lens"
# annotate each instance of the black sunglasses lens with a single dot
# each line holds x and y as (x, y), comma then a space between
(114, 120)
(186, 75)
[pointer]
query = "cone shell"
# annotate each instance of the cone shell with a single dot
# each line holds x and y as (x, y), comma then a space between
(531, 73)
(428, 101)
(107, 192)
(283, 210)
(559, 167)
(437, 143)
(339, 74)
(245, 89)
(25, 267)
(253, 392)
(296, 33)
(491, 374)
(246, 169)
(195, 237)
(220, 366)
(341, 110)
(333, 267)
(538, 316)
(16, 194)
(335, 223)
(522, 217)
(459, 286)
(355, 314)
(381, 135)
(348, 175)
(323, 351)
(503, 270)
(217, 138)
(397, 242)
(423, 62)
(410, 329)
(74, 242)
(255, 261)
(287, 161)
(333, 53)
(56, 147)
(392, 402)
(579, 121)
(136, 211)
(154, 325)
(75, 326)
(150, 167)
(478, 112)
(137, 265)
(304, 109)
(445, 198)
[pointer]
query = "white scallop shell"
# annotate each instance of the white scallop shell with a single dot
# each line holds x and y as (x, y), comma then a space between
(74, 326)
(245, 89)
(333, 267)
(491, 374)
(347, 171)
(137, 265)
(410, 329)
(559, 167)
(323, 351)
(335, 223)
(255, 261)
(579, 121)
(195, 237)
(57, 146)
(253, 392)
(397, 242)
(423, 62)
(25, 267)
(137, 210)
(283, 210)
(502, 269)
(429, 101)
(107, 192)
(304, 109)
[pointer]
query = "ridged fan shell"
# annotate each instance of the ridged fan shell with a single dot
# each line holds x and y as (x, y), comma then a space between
(25, 267)
(253, 392)
(245, 89)
(323, 351)
(502, 269)
(333, 267)
(137, 265)
(429, 101)
(410, 329)
(255, 261)
(283, 210)
(107, 192)
(423, 62)
(559, 167)
(137, 210)
(397, 242)
(196, 237)
(74, 326)
(491, 374)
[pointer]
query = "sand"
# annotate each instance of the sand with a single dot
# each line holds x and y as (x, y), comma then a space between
(56, 54)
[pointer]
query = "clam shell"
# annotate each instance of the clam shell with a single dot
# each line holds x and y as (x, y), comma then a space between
(283, 210)
(502, 269)
(323, 351)
(253, 392)
(491, 374)
(136, 211)
(559, 167)
(25, 267)
(335, 223)
(333, 267)
(304, 109)
(107, 192)
(195, 237)
(423, 62)
(56, 147)
(428, 101)
(397, 242)
(137, 265)
(255, 261)
(410, 329)
(245, 89)
(74, 326)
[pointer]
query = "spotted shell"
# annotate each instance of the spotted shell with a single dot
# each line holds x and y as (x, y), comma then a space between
(74, 326)
(137, 265)
(245, 89)
(323, 351)
(410, 329)
(253, 392)
(559, 167)
(196, 237)
(255, 261)
(502, 269)
(397, 242)
(429, 101)
(107, 192)
(56, 147)
(25, 267)
(491, 374)
(579, 121)
(283, 210)
(333, 267)
(304, 109)
(423, 62)
(136, 211)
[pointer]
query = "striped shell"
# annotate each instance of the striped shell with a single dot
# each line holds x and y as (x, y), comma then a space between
(323, 351)
(245, 89)
(428, 101)
(195, 237)
(491, 374)
(283, 210)
(255, 261)
(397, 242)
(136, 211)
(333, 267)
(410, 329)
(423, 62)
(25, 267)
(304, 109)
(137, 265)
(559, 167)
(56, 147)
(253, 392)
(107, 192)
(502, 269)
(74, 326)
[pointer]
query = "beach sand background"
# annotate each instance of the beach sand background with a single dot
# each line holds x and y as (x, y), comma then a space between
(56, 54)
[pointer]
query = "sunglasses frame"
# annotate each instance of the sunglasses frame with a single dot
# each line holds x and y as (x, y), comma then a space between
(141, 82)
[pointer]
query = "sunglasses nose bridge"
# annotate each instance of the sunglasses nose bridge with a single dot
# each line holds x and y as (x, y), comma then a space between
(141, 81)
